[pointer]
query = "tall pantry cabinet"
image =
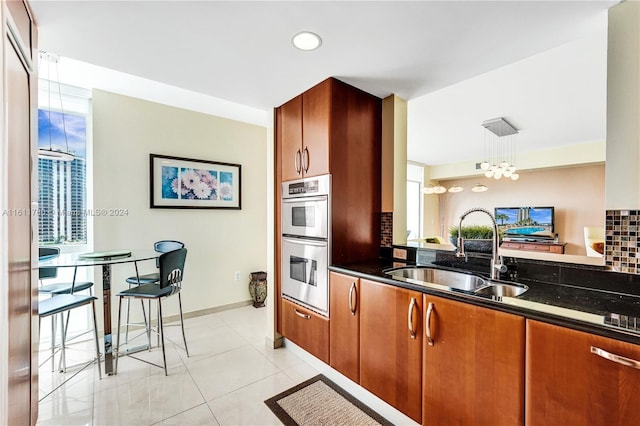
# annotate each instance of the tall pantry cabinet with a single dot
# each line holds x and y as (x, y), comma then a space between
(334, 128)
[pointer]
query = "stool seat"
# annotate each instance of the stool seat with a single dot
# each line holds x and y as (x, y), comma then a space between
(62, 303)
(64, 288)
(151, 278)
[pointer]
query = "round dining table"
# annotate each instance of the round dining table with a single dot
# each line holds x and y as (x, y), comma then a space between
(105, 259)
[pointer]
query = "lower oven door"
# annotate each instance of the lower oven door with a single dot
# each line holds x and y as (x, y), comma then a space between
(304, 273)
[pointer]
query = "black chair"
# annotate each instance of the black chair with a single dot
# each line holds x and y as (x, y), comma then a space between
(171, 275)
(56, 289)
(52, 272)
(162, 246)
(59, 304)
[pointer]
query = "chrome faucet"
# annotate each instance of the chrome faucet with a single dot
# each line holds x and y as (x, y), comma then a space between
(496, 260)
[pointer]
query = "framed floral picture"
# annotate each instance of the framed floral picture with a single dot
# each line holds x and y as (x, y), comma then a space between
(187, 183)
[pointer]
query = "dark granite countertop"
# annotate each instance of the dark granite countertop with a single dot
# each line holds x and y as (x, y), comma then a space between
(594, 310)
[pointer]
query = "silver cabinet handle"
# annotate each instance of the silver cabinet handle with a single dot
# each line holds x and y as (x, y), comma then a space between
(297, 161)
(352, 306)
(618, 359)
(305, 164)
(412, 306)
(427, 328)
(301, 315)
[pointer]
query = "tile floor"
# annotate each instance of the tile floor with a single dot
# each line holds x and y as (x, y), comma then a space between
(224, 382)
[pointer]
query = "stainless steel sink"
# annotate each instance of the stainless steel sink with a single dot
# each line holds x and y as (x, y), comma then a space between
(448, 280)
(452, 279)
(501, 290)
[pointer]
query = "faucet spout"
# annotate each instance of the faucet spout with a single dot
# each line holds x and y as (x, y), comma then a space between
(497, 265)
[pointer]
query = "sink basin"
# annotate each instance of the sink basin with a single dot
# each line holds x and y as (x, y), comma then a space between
(452, 279)
(501, 290)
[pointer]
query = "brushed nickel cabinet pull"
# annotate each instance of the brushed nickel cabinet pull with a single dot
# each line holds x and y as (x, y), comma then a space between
(412, 306)
(427, 328)
(618, 359)
(352, 306)
(297, 161)
(305, 164)
(301, 315)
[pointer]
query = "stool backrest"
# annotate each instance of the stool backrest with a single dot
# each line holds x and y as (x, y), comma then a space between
(164, 246)
(172, 267)
(50, 271)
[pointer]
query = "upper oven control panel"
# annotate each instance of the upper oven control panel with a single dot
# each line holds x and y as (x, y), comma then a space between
(318, 185)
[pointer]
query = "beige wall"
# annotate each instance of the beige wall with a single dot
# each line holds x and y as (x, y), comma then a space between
(577, 193)
(220, 242)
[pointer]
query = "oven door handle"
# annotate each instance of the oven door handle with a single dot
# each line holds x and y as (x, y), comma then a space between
(304, 242)
(305, 199)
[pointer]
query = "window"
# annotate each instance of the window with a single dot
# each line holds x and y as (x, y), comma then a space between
(62, 185)
(414, 196)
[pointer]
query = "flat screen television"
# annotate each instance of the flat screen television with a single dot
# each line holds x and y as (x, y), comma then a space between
(525, 222)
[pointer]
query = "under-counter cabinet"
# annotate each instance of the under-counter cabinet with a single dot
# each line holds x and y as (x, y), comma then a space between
(391, 345)
(576, 378)
(306, 329)
(473, 365)
(344, 327)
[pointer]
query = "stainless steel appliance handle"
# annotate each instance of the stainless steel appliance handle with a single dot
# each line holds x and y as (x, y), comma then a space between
(304, 199)
(305, 164)
(297, 160)
(427, 328)
(352, 306)
(618, 359)
(301, 315)
(412, 306)
(305, 242)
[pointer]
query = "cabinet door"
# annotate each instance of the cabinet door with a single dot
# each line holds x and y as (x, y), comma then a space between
(316, 122)
(344, 327)
(291, 139)
(576, 378)
(306, 329)
(474, 370)
(391, 345)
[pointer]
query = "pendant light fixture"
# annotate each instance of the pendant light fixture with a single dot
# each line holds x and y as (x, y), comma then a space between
(51, 153)
(499, 149)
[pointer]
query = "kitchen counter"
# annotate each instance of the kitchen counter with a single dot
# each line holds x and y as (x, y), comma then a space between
(594, 310)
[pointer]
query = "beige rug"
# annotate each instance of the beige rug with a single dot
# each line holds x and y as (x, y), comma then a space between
(319, 401)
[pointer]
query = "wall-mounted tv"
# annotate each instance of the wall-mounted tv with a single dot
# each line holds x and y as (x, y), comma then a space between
(525, 222)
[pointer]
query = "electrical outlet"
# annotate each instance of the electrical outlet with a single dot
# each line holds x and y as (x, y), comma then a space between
(237, 276)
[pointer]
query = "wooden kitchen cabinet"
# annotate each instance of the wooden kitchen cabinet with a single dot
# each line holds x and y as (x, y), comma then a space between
(576, 378)
(306, 329)
(473, 373)
(305, 122)
(344, 327)
(391, 345)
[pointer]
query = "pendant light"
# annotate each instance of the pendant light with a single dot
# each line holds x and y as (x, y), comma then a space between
(50, 153)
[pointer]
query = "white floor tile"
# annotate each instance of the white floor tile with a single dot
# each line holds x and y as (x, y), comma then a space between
(220, 374)
(245, 406)
(200, 415)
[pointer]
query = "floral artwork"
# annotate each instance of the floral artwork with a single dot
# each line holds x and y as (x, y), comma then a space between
(188, 183)
(197, 184)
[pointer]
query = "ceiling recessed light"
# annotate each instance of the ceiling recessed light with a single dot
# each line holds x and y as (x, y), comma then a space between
(306, 40)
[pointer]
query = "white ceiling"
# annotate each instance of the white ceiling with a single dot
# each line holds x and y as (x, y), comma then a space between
(241, 51)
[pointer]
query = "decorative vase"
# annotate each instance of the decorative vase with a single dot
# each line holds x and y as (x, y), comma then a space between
(258, 288)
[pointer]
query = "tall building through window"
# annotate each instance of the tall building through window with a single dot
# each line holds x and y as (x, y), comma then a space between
(62, 185)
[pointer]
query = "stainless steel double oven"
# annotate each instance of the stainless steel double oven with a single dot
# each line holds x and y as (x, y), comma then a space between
(306, 239)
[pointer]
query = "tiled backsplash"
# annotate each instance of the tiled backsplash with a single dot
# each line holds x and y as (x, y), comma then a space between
(621, 240)
(386, 229)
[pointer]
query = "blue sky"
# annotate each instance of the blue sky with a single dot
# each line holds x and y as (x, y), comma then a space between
(76, 128)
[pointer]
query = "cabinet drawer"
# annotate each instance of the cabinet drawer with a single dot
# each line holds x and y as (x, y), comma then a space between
(510, 245)
(536, 247)
(306, 329)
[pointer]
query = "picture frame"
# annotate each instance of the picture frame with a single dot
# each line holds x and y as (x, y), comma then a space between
(188, 183)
